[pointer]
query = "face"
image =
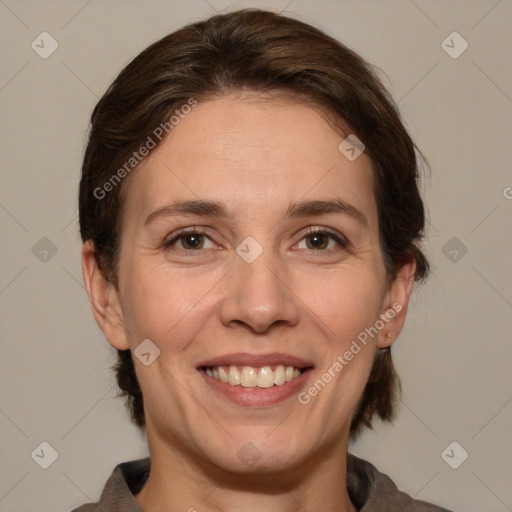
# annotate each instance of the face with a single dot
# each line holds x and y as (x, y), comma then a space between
(266, 274)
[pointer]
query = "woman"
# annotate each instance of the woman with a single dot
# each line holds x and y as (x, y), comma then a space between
(251, 217)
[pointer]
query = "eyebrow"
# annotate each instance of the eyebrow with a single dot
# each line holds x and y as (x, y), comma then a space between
(207, 208)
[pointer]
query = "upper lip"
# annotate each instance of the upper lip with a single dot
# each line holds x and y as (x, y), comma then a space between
(256, 360)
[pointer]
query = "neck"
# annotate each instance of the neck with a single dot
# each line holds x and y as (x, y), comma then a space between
(183, 481)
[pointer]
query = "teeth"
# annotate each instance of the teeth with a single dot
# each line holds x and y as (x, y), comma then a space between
(279, 375)
(224, 377)
(234, 376)
(250, 377)
(265, 377)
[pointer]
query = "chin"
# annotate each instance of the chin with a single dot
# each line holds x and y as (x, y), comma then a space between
(259, 454)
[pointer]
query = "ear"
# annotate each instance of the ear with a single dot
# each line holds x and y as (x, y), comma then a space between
(395, 305)
(104, 299)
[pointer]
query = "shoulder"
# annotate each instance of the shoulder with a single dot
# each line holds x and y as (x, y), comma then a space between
(373, 491)
(126, 480)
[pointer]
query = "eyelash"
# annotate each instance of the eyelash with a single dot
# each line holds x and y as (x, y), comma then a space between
(341, 240)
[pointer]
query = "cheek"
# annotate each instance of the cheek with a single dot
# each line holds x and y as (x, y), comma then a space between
(169, 308)
(346, 302)
(346, 306)
(162, 305)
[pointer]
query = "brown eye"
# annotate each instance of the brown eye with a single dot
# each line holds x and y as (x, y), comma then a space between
(319, 240)
(192, 241)
(189, 241)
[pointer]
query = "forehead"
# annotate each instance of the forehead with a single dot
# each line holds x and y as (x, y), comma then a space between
(255, 154)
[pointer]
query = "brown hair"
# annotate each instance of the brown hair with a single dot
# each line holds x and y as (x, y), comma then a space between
(264, 52)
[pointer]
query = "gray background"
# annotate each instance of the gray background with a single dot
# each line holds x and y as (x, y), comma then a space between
(454, 354)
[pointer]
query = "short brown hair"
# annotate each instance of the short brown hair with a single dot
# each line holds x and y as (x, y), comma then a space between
(264, 52)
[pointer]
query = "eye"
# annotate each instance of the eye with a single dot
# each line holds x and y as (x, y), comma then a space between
(317, 239)
(191, 239)
(195, 240)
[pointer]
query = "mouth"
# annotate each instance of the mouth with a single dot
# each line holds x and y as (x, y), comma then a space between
(257, 380)
(263, 377)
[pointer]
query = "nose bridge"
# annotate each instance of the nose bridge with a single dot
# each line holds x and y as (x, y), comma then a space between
(258, 295)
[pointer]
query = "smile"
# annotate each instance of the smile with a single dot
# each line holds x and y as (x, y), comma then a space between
(254, 377)
(256, 380)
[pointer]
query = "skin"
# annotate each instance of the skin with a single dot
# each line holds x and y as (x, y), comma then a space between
(257, 155)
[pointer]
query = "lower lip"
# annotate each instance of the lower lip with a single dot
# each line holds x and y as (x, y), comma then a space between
(257, 397)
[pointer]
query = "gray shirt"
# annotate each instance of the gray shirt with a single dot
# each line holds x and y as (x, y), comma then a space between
(369, 490)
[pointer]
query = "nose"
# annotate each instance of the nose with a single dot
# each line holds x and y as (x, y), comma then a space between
(259, 296)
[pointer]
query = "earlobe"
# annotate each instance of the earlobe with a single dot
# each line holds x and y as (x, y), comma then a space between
(395, 305)
(104, 299)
